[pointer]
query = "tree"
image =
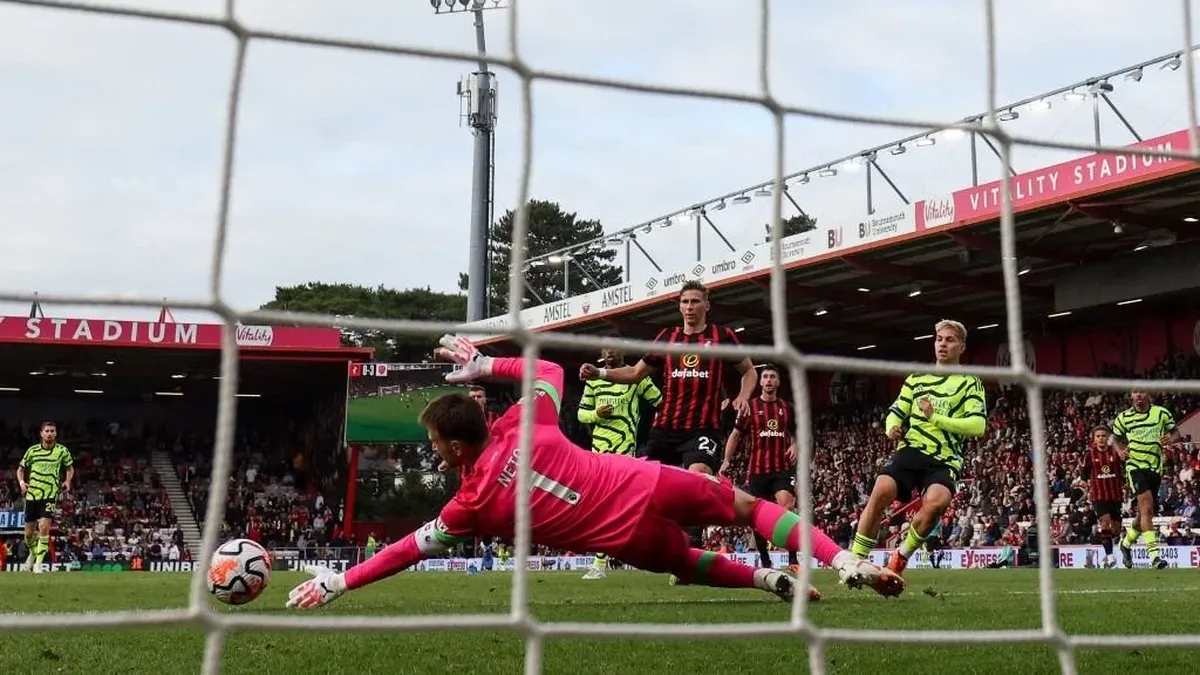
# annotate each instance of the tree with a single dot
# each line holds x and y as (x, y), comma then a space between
(350, 300)
(550, 229)
(797, 224)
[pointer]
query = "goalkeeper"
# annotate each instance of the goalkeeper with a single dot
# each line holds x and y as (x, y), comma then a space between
(581, 501)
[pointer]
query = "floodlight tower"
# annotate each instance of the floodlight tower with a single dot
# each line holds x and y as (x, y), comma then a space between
(477, 105)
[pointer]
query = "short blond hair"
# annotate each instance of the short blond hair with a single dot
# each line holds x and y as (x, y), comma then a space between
(953, 325)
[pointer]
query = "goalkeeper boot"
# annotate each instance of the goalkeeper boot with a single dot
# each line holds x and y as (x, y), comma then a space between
(1160, 564)
(897, 563)
(1127, 555)
(856, 573)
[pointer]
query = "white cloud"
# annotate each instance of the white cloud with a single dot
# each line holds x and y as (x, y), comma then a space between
(353, 166)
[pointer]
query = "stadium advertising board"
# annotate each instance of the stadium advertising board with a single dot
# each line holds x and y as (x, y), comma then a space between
(386, 398)
(734, 264)
(122, 333)
(1035, 189)
(12, 520)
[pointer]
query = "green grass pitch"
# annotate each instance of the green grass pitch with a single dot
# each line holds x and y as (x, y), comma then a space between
(1109, 601)
(392, 418)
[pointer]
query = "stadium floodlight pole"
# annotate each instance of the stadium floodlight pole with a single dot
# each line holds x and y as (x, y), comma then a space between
(477, 92)
(897, 147)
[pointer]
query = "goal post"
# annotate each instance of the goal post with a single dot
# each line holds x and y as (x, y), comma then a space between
(535, 631)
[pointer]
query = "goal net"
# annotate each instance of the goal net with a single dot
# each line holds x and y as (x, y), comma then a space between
(535, 632)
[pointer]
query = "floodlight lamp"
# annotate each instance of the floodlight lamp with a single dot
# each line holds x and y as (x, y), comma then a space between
(1173, 64)
(555, 259)
(1134, 75)
(803, 179)
(1040, 105)
(741, 199)
(719, 205)
(925, 141)
(1008, 115)
(899, 150)
(435, 4)
(449, 4)
(463, 3)
(1098, 88)
(827, 172)
(763, 192)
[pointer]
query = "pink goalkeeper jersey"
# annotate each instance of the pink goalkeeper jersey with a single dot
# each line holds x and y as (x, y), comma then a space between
(580, 501)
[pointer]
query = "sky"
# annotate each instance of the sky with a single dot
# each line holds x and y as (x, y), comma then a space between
(355, 167)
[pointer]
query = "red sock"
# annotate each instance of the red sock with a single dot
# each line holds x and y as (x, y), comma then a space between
(712, 569)
(782, 528)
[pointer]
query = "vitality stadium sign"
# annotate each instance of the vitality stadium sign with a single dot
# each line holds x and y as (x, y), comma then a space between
(170, 334)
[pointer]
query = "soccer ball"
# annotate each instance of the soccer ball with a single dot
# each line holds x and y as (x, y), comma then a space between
(239, 571)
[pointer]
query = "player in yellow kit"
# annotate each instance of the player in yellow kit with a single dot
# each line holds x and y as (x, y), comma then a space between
(44, 471)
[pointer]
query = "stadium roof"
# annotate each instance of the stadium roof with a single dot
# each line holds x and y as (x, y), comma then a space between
(58, 371)
(883, 282)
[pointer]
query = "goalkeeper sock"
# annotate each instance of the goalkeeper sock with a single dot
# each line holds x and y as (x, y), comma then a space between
(782, 528)
(712, 569)
(764, 549)
(862, 545)
(912, 542)
(1106, 542)
(1131, 537)
(1151, 538)
(793, 558)
(600, 561)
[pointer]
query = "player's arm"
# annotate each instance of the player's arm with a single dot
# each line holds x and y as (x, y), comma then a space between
(1120, 437)
(627, 374)
(587, 404)
(433, 539)
(649, 392)
(741, 402)
(22, 466)
(970, 420)
(900, 409)
(1171, 433)
(70, 473)
(548, 376)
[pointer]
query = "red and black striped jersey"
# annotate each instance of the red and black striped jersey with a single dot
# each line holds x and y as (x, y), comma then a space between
(1103, 470)
(693, 383)
(767, 428)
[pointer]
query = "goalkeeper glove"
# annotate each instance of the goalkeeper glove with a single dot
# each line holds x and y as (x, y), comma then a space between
(460, 350)
(324, 587)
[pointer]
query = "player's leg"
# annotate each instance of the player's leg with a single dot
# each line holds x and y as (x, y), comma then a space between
(758, 486)
(43, 542)
(694, 499)
(1108, 530)
(882, 495)
(787, 499)
(934, 503)
(33, 512)
(598, 568)
(660, 545)
(1147, 502)
(700, 452)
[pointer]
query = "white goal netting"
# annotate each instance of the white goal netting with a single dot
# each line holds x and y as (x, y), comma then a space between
(535, 632)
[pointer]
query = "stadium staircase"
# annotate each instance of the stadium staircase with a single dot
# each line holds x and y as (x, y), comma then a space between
(180, 505)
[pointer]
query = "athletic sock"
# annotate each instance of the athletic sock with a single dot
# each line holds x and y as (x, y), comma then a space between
(1131, 537)
(712, 569)
(40, 550)
(782, 527)
(793, 558)
(1151, 538)
(1106, 542)
(912, 542)
(862, 545)
(764, 550)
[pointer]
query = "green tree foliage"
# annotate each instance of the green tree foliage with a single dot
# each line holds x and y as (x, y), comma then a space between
(550, 228)
(797, 224)
(350, 300)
